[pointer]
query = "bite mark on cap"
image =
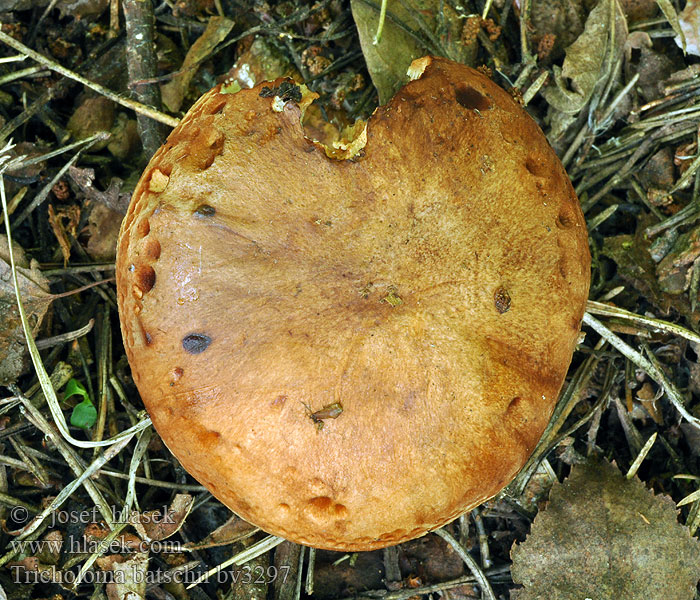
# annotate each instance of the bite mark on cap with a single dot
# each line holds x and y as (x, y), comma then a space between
(196, 343)
(471, 98)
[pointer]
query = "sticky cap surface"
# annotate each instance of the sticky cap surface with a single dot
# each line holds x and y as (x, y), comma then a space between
(352, 353)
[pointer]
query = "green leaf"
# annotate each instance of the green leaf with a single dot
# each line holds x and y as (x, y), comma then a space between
(84, 415)
(75, 388)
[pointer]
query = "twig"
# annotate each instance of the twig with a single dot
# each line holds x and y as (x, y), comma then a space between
(42, 375)
(33, 109)
(525, 57)
(34, 415)
(23, 162)
(535, 87)
(73, 269)
(22, 73)
(483, 539)
(649, 365)
(500, 571)
(136, 457)
(139, 108)
(141, 65)
(309, 584)
(44, 192)
(65, 337)
(289, 556)
(641, 456)
(248, 554)
(380, 24)
(102, 547)
(83, 477)
(9, 59)
(181, 487)
(656, 325)
(486, 590)
(104, 356)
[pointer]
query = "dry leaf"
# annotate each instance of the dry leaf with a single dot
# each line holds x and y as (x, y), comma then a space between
(129, 581)
(674, 271)
(639, 10)
(124, 140)
(174, 91)
(50, 549)
(558, 22)
(64, 224)
(434, 27)
(669, 11)
(648, 398)
(92, 116)
(103, 230)
(689, 24)
(112, 197)
(652, 66)
(234, 530)
(34, 288)
(82, 9)
(156, 525)
(631, 254)
(604, 536)
(590, 59)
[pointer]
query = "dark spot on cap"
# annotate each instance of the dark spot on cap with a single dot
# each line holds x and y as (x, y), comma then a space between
(195, 343)
(470, 98)
(205, 211)
(501, 299)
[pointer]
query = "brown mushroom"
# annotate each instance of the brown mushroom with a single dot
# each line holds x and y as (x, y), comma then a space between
(351, 353)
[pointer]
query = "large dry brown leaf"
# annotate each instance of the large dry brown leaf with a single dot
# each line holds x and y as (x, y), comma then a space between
(590, 59)
(34, 289)
(605, 536)
(174, 91)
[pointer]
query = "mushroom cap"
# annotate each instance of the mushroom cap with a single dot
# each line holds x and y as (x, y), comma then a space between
(352, 353)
